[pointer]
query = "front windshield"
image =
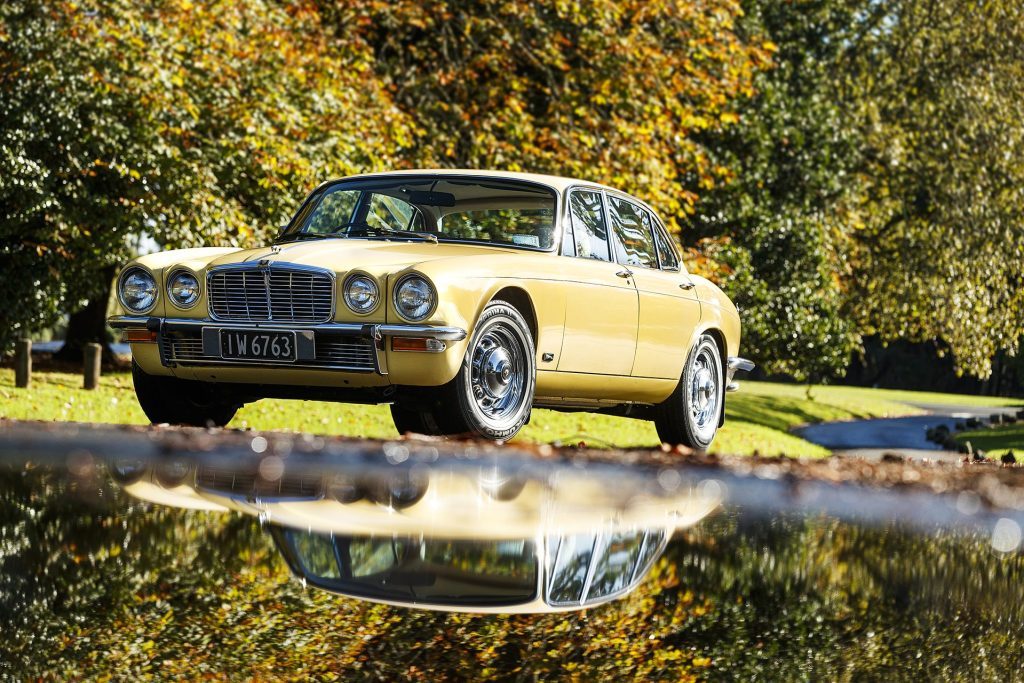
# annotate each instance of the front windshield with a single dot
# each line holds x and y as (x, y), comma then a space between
(446, 208)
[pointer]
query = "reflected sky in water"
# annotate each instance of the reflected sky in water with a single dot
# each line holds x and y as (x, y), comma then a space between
(409, 561)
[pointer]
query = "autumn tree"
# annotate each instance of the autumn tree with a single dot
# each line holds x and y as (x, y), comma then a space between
(184, 124)
(603, 90)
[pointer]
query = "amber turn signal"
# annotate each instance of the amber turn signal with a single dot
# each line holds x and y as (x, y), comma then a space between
(132, 336)
(417, 344)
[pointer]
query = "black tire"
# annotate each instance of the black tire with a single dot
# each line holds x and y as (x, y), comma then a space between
(179, 402)
(691, 415)
(414, 421)
(492, 394)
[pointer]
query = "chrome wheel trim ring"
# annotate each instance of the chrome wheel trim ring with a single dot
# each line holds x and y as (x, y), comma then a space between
(497, 378)
(705, 392)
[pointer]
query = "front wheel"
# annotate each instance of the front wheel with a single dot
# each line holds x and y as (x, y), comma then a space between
(414, 420)
(691, 415)
(176, 401)
(493, 393)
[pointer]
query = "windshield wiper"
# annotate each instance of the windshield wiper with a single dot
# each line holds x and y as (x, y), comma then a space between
(302, 236)
(391, 232)
(357, 229)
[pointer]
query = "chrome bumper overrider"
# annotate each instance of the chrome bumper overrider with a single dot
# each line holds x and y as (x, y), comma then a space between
(736, 364)
(377, 332)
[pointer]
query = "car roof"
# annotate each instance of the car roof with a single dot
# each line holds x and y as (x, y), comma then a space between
(557, 183)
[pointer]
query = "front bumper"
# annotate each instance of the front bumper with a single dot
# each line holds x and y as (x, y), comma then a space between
(373, 336)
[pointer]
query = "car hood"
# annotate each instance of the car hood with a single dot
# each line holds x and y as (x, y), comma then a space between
(343, 254)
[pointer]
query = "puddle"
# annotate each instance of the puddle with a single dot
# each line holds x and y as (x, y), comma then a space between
(170, 554)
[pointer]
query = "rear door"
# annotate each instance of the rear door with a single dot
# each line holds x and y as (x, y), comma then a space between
(602, 310)
(669, 310)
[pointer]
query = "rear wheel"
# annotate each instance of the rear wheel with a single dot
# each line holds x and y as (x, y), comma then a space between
(175, 401)
(691, 415)
(493, 393)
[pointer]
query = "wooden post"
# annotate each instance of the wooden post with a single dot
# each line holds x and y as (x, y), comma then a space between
(93, 354)
(22, 363)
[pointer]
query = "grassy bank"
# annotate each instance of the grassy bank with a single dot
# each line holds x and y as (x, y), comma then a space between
(997, 440)
(758, 417)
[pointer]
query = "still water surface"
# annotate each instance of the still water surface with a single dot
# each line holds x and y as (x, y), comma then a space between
(452, 568)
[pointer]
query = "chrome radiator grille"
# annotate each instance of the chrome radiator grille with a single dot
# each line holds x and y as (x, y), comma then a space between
(234, 481)
(281, 294)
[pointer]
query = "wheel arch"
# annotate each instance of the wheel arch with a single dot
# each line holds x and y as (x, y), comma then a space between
(520, 299)
(723, 350)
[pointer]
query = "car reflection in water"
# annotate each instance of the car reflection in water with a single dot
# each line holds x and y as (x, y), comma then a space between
(464, 536)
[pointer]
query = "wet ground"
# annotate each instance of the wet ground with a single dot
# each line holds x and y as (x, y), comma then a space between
(172, 553)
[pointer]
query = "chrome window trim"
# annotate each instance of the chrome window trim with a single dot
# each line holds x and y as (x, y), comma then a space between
(567, 218)
(270, 266)
(170, 278)
(660, 226)
(120, 281)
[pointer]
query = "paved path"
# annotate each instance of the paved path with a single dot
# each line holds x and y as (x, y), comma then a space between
(901, 435)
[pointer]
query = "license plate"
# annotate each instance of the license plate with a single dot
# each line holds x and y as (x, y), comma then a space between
(257, 345)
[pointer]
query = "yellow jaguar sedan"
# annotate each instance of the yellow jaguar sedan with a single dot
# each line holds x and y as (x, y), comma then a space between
(461, 298)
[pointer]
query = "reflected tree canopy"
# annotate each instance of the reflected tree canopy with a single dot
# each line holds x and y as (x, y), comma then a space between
(92, 582)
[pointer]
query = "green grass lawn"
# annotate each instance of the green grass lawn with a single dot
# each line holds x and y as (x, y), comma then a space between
(758, 417)
(997, 440)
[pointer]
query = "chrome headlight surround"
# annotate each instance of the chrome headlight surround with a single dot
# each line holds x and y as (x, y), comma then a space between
(195, 287)
(410, 288)
(137, 275)
(361, 286)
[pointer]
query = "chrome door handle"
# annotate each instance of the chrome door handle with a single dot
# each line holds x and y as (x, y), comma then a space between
(686, 285)
(625, 273)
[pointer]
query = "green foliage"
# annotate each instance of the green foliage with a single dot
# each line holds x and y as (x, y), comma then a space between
(936, 90)
(187, 124)
(773, 236)
(878, 183)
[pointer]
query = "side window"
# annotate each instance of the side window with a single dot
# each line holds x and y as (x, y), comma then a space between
(666, 250)
(389, 212)
(634, 244)
(588, 226)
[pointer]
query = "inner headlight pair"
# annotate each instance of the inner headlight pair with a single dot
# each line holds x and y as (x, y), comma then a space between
(138, 291)
(414, 296)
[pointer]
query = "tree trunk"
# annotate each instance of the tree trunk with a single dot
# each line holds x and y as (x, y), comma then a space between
(87, 325)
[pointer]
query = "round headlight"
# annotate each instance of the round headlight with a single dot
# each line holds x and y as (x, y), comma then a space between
(361, 293)
(184, 289)
(414, 298)
(137, 290)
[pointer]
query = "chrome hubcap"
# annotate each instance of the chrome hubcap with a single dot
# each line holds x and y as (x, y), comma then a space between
(498, 373)
(496, 370)
(704, 392)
